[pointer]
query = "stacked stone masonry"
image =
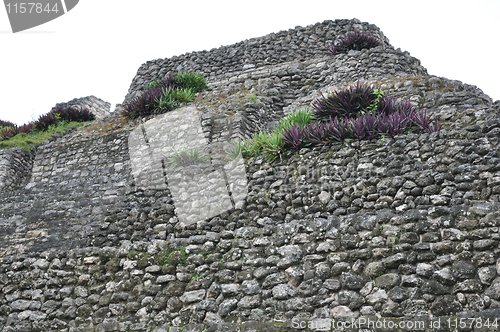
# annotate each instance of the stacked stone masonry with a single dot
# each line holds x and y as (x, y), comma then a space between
(16, 164)
(400, 228)
(229, 62)
(15, 168)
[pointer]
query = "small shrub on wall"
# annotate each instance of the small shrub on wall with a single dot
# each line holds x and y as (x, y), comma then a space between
(6, 124)
(192, 81)
(164, 95)
(46, 120)
(349, 102)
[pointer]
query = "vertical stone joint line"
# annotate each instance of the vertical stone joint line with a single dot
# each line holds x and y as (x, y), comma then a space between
(145, 134)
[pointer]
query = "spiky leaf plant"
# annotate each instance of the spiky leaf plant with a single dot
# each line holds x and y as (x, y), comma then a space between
(46, 120)
(184, 158)
(7, 132)
(193, 81)
(359, 112)
(71, 113)
(356, 40)
(349, 102)
(26, 128)
(168, 82)
(6, 124)
(293, 137)
(300, 117)
(144, 105)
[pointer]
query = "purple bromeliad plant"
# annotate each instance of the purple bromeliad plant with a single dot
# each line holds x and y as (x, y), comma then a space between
(359, 112)
(6, 124)
(349, 102)
(293, 137)
(147, 103)
(356, 40)
(69, 113)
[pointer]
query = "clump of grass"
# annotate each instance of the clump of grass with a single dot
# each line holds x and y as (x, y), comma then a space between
(269, 144)
(238, 149)
(173, 98)
(300, 117)
(176, 257)
(192, 81)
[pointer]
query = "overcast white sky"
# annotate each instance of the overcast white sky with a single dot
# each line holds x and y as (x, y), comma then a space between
(96, 48)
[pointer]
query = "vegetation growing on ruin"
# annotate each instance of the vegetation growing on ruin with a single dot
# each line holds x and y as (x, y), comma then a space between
(27, 141)
(270, 144)
(57, 121)
(165, 95)
(358, 112)
(356, 40)
(184, 158)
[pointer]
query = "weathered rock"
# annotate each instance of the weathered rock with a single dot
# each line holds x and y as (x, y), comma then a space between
(388, 280)
(193, 296)
(494, 289)
(463, 270)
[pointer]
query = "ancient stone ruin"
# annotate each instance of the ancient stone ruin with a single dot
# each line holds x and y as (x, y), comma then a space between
(400, 232)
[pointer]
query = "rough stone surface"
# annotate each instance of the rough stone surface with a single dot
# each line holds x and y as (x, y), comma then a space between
(399, 227)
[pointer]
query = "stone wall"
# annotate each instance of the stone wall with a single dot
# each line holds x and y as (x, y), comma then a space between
(71, 187)
(15, 168)
(257, 98)
(228, 62)
(400, 228)
(16, 163)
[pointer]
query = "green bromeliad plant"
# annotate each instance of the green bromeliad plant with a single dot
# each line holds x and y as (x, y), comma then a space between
(271, 144)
